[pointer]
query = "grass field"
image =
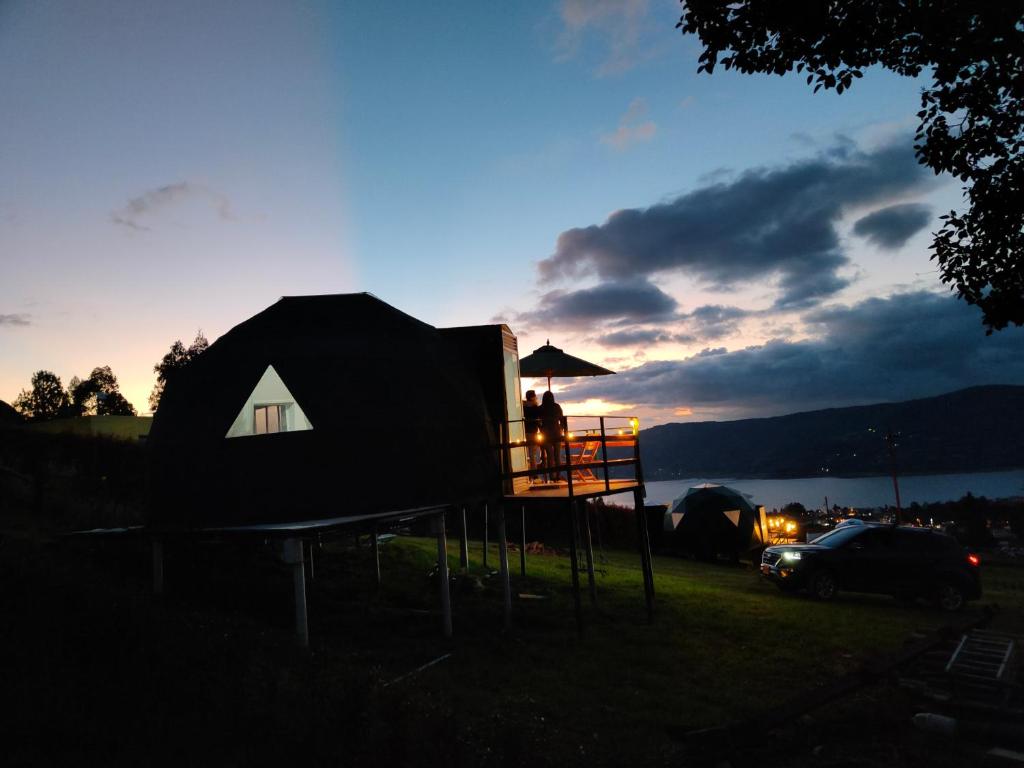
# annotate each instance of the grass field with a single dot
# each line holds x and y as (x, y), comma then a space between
(210, 671)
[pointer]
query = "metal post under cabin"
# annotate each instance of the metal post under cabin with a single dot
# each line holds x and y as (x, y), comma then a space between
(522, 542)
(312, 567)
(486, 535)
(158, 566)
(574, 567)
(375, 540)
(506, 584)
(568, 460)
(442, 575)
(293, 555)
(604, 457)
(644, 543)
(589, 549)
(650, 560)
(463, 543)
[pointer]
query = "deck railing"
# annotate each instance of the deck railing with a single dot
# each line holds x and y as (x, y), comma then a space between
(581, 440)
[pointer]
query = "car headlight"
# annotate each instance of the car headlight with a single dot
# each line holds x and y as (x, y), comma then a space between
(790, 555)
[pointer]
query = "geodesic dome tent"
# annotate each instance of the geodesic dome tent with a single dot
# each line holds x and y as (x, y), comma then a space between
(712, 520)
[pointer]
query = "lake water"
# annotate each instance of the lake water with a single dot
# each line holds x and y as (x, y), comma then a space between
(849, 492)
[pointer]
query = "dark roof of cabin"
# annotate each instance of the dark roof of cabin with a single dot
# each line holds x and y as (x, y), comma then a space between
(398, 420)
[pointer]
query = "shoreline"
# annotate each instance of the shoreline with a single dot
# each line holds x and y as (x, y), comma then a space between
(830, 476)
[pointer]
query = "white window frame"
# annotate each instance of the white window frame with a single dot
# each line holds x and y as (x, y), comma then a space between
(282, 417)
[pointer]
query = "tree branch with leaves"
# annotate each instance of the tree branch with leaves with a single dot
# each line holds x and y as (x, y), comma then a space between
(971, 117)
(175, 360)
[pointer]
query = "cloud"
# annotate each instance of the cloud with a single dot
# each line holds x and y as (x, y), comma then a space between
(891, 227)
(626, 301)
(618, 22)
(713, 321)
(634, 337)
(632, 129)
(766, 223)
(15, 320)
(711, 352)
(152, 201)
(905, 346)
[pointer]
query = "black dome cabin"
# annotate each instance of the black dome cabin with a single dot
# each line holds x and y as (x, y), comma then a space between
(317, 408)
(339, 412)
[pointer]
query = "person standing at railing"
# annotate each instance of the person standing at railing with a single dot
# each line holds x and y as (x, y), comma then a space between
(531, 420)
(551, 430)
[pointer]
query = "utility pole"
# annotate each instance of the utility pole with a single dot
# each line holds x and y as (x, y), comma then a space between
(890, 440)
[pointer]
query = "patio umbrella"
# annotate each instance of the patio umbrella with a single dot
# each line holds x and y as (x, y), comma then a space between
(549, 361)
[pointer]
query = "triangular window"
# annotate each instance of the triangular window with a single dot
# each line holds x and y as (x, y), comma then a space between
(270, 408)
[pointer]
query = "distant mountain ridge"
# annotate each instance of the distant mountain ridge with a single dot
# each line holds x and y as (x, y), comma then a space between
(970, 430)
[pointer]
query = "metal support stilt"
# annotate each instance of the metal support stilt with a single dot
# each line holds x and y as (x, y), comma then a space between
(574, 566)
(650, 560)
(158, 566)
(522, 543)
(442, 575)
(506, 583)
(375, 541)
(463, 542)
(486, 536)
(589, 549)
(312, 564)
(293, 554)
(644, 544)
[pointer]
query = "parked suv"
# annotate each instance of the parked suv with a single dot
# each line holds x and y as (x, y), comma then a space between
(904, 562)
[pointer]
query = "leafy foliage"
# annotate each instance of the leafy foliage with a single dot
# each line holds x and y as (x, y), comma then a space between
(794, 509)
(177, 358)
(46, 400)
(100, 395)
(972, 121)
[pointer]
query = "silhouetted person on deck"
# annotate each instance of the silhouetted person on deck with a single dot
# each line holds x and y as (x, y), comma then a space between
(531, 419)
(551, 429)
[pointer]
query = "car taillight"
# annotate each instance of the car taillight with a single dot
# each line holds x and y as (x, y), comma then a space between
(974, 559)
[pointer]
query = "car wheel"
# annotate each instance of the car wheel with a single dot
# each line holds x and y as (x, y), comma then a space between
(822, 586)
(949, 597)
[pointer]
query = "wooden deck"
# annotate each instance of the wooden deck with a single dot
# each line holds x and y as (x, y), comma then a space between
(580, 490)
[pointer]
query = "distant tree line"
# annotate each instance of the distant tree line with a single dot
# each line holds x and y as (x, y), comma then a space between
(970, 518)
(100, 393)
(97, 395)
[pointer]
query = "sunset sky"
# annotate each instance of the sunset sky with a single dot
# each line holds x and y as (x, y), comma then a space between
(732, 245)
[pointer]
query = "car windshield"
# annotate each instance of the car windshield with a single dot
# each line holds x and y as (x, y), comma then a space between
(840, 536)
